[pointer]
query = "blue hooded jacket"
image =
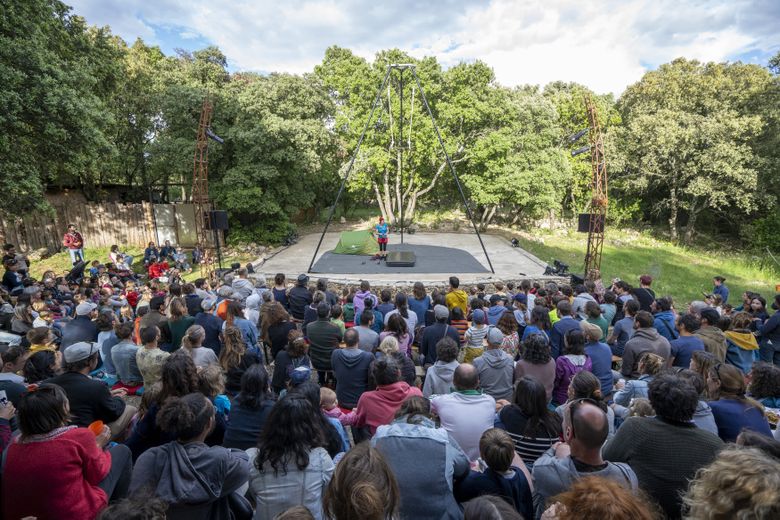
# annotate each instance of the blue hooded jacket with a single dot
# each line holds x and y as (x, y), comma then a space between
(664, 324)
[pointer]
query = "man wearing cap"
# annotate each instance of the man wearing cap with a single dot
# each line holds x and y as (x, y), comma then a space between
(435, 333)
(211, 323)
(495, 367)
(496, 309)
(82, 327)
(91, 400)
(299, 297)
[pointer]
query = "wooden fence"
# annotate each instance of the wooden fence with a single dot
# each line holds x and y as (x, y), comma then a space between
(102, 225)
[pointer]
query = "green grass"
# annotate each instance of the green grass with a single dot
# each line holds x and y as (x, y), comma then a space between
(60, 262)
(677, 271)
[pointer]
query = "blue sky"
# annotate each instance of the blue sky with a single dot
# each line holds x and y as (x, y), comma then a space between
(604, 44)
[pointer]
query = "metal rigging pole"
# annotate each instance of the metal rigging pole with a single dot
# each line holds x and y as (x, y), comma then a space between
(200, 190)
(599, 199)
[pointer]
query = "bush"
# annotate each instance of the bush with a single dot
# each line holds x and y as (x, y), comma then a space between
(765, 232)
(271, 231)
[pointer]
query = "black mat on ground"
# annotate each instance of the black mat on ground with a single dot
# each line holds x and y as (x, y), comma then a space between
(430, 259)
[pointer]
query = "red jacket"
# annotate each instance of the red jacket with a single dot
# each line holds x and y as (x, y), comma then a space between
(378, 407)
(56, 478)
(157, 269)
(73, 240)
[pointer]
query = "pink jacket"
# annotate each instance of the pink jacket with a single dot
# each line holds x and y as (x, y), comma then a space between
(378, 407)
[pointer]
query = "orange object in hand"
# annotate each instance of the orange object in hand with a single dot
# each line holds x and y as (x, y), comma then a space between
(96, 427)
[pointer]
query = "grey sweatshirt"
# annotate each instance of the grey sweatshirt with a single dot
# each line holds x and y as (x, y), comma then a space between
(495, 368)
(438, 379)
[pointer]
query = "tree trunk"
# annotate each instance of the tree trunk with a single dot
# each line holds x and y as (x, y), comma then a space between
(673, 208)
(693, 213)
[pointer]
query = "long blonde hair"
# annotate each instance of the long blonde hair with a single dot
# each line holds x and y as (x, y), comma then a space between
(233, 348)
(194, 335)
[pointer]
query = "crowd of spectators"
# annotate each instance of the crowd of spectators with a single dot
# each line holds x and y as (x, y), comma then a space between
(134, 394)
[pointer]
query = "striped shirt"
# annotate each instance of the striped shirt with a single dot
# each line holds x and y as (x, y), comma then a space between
(475, 337)
(461, 326)
(530, 445)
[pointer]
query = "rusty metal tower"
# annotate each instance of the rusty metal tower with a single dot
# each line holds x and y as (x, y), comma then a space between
(200, 189)
(599, 199)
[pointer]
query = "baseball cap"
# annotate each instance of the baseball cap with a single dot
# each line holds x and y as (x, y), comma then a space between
(79, 351)
(207, 304)
(494, 299)
(591, 330)
(84, 308)
(300, 375)
(495, 336)
(521, 297)
(441, 312)
(478, 316)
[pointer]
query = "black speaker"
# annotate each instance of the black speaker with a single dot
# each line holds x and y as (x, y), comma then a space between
(583, 223)
(217, 220)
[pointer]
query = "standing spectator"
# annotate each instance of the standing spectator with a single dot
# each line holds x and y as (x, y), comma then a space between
(600, 356)
(211, 323)
(572, 361)
(435, 333)
(350, 366)
(500, 478)
(529, 421)
(465, 413)
(456, 297)
(733, 411)
(645, 339)
(687, 343)
(74, 242)
(368, 338)
(438, 378)
(57, 471)
(561, 327)
(280, 290)
(324, 337)
(713, 337)
(91, 400)
(279, 328)
(290, 465)
(495, 368)
(665, 451)
(536, 362)
(250, 410)
(663, 318)
(624, 328)
(644, 294)
(770, 335)
(585, 430)
(720, 289)
(426, 489)
(299, 297)
(194, 479)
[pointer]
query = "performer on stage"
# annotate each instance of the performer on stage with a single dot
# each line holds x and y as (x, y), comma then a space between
(381, 232)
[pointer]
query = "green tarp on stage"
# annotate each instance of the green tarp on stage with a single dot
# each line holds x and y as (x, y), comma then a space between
(356, 243)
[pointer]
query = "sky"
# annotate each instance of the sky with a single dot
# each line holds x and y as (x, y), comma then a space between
(603, 44)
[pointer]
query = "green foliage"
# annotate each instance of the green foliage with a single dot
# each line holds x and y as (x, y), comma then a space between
(765, 232)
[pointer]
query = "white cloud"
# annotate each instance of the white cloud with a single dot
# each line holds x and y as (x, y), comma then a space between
(605, 44)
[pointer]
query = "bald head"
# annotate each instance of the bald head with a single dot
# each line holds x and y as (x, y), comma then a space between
(465, 377)
(589, 426)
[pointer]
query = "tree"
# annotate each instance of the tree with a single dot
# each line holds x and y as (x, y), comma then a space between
(686, 143)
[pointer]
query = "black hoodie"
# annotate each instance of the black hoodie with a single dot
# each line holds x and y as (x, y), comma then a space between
(351, 369)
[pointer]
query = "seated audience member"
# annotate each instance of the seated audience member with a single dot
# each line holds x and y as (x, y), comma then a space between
(741, 344)
(389, 349)
(336, 437)
(235, 358)
(508, 325)
(193, 478)
(650, 365)
(475, 337)
(396, 327)
(572, 360)
(560, 328)
(235, 318)
(645, 339)
(438, 377)
(740, 483)
(14, 359)
(81, 327)
(495, 367)
(664, 318)
(585, 430)
(600, 498)
(665, 451)
(623, 329)
(363, 487)
(293, 356)
(192, 343)
(379, 406)
(532, 426)
(465, 413)
(123, 357)
(279, 327)
(58, 471)
(539, 323)
(324, 337)
(764, 384)
(363, 296)
(500, 477)
(42, 365)
(585, 385)
(178, 322)
(702, 417)
(426, 489)
(90, 400)
(459, 323)
(211, 323)
(250, 410)
(368, 338)
(351, 366)
(436, 332)
(594, 317)
(179, 377)
(150, 358)
(600, 356)
(733, 411)
(713, 337)
(686, 343)
(290, 465)
(211, 383)
(537, 362)
(299, 297)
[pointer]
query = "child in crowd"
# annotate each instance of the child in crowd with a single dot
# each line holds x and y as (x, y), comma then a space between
(329, 403)
(459, 323)
(349, 310)
(475, 337)
(337, 318)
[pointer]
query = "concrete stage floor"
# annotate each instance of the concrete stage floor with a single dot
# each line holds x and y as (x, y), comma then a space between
(510, 263)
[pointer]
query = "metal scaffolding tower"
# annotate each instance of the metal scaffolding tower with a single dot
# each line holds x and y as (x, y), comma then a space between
(599, 199)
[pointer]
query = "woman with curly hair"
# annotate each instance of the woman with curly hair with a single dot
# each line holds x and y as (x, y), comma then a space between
(598, 497)
(764, 384)
(277, 328)
(235, 358)
(731, 409)
(740, 483)
(235, 318)
(649, 366)
(701, 362)
(507, 324)
(293, 356)
(290, 465)
(537, 362)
